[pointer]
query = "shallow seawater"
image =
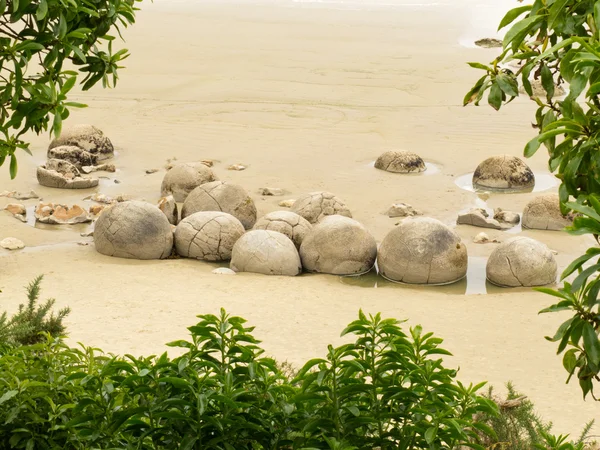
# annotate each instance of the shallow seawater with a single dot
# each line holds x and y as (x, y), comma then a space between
(474, 283)
(543, 182)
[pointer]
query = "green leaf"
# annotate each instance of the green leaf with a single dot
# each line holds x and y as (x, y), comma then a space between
(29, 45)
(495, 97)
(430, 434)
(583, 276)
(570, 360)
(555, 11)
(597, 16)
(532, 147)
(576, 264)
(68, 85)
(8, 395)
(42, 10)
(591, 343)
(512, 15)
(13, 167)
(520, 29)
(477, 65)
(547, 81)
(508, 84)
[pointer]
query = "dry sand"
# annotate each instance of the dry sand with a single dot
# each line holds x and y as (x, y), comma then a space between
(308, 98)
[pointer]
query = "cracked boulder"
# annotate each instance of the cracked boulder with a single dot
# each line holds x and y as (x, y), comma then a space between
(543, 213)
(61, 174)
(503, 172)
(73, 154)
(57, 214)
(521, 261)
(286, 222)
(134, 230)
(317, 205)
(208, 235)
(169, 208)
(183, 178)
(266, 252)
(338, 245)
(400, 162)
(221, 196)
(86, 137)
(422, 251)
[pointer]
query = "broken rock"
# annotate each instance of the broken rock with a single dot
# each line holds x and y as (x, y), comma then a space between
(169, 208)
(63, 175)
(402, 210)
(287, 203)
(478, 218)
(19, 195)
(56, 214)
(483, 238)
(507, 217)
(237, 167)
(270, 191)
(11, 243)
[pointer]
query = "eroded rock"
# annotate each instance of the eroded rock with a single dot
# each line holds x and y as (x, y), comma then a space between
(237, 167)
(57, 173)
(506, 217)
(338, 245)
(17, 210)
(521, 261)
(183, 178)
(73, 154)
(270, 191)
(99, 168)
(489, 43)
(543, 213)
(169, 208)
(221, 196)
(287, 203)
(266, 252)
(19, 195)
(400, 162)
(291, 224)
(503, 172)
(317, 205)
(208, 235)
(223, 271)
(483, 238)
(478, 217)
(11, 243)
(57, 214)
(96, 209)
(86, 137)
(402, 210)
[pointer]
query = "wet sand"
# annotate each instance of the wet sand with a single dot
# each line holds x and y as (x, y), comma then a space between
(307, 98)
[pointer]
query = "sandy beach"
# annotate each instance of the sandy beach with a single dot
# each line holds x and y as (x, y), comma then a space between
(307, 97)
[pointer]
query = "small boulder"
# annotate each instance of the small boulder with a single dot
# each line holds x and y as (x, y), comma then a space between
(422, 251)
(287, 203)
(400, 162)
(266, 252)
(270, 191)
(16, 208)
(478, 217)
(402, 210)
(208, 235)
(221, 196)
(11, 243)
(521, 261)
(488, 43)
(237, 167)
(338, 245)
(86, 137)
(56, 214)
(183, 178)
(96, 209)
(291, 224)
(503, 172)
(543, 213)
(73, 154)
(317, 205)
(506, 217)
(483, 238)
(169, 208)
(151, 171)
(99, 168)
(135, 230)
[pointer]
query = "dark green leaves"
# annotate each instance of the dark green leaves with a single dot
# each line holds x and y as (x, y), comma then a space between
(495, 96)
(512, 15)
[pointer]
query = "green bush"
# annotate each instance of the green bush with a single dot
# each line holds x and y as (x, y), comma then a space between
(26, 327)
(386, 390)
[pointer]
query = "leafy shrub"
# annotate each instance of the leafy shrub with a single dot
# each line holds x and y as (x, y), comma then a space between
(388, 390)
(26, 327)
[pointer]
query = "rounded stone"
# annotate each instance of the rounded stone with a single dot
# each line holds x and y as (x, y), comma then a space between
(338, 245)
(267, 252)
(400, 162)
(73, 154)
(221, 196)
(291, 224)
(86, 137)
(503, 172)
(521, 261)
(543, 213)
(422, 251)
(316, 205)
(208, 235)
(135, 230)
(183, 178)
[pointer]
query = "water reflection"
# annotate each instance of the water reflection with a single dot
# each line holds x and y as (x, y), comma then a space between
(543, 182)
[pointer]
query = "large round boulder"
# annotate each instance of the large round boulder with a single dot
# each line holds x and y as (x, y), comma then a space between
(221, 196)
(286, 222)
(208, 235)
(183, 178)
(422, 251)
(543, 213)
(521, 261)
(267, 252)
(503, 172)
(135, 230)
(316, 205)
(400, 162)
(338, 245)
(87, 137)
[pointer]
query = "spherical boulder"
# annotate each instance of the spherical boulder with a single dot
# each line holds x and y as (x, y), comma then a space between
(400, 162)
(422, 251)
(521, 261)
(87, 137)
(208, 235)
(543, 213)
(316, 205)
(221, 196)
(503, 172)
(183, 178)
(338, 245)
(135, 230)
(267, 252)
(286, 222)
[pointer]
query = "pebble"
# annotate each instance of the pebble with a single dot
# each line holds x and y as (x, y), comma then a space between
(223, 271)
(151, 171)
(402, 210)
(287, 203)
(11, 243)
(237, 167)
(483, 238)
(270, 191)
